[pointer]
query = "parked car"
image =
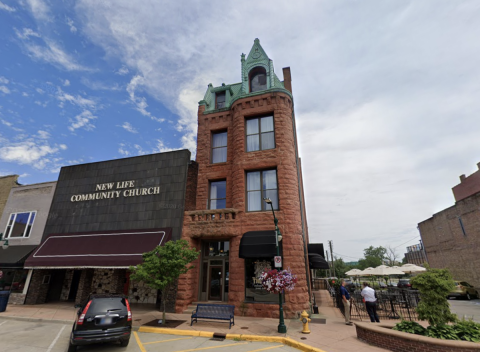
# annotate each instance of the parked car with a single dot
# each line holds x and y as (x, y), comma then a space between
(103, 318)
(350, 285)
(463, 289)
(404, 283)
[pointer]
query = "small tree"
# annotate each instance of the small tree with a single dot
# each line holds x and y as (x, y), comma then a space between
(434, 286)
(163, 266)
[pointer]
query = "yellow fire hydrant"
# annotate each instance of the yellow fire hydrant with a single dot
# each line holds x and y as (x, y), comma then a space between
(305, 320)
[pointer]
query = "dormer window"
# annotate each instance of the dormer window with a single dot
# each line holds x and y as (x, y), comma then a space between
(258, 79)
(220, 100)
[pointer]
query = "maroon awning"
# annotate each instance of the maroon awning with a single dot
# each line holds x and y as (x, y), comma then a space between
(108, 249)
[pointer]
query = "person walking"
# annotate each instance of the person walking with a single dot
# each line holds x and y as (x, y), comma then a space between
(368, 295)
(346, 302)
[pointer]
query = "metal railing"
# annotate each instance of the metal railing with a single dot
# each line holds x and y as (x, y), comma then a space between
(391, 304)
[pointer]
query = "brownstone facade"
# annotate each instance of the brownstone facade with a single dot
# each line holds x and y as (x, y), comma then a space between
(452, 237)
(231, 223)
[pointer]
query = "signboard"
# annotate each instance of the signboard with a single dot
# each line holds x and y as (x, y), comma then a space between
(278, 261)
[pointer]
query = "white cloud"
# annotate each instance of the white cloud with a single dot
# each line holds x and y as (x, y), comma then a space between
(26, 33)
(29, 152)
(24, 94)
(122, 71)
(39, 10)
(4, 90)
(75, 100)
(161, 148)
(123, 151)
(99, 85)
(73, 29)
(128, 127)
(6, 7)
(140, 102)
(3, 80)
(43, 134)
(53, 54)
(66, 83)
(82, 120)
(40, 90)
(10, 125)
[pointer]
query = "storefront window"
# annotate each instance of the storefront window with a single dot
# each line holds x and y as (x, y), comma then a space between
(253, 286)
(13, 280)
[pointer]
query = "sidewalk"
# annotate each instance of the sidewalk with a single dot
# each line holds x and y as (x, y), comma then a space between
(334, 336)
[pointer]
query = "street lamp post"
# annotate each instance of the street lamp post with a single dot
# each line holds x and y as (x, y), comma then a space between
(278, 237)
(5, 242)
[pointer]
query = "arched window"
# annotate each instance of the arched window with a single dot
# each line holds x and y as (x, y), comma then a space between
(258, 79)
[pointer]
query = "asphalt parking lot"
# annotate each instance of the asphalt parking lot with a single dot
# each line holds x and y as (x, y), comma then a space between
(468, 309)
(27, 336)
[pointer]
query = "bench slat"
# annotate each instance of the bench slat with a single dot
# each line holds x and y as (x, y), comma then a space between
(214, 311)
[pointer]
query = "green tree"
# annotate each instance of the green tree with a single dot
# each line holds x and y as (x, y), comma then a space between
(163, 266)
(340, 267)
(434, 286)
(373, 257)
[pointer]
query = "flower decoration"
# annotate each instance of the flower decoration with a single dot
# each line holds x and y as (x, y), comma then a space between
(275, 281)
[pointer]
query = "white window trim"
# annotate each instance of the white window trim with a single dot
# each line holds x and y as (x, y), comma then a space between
(7, 235)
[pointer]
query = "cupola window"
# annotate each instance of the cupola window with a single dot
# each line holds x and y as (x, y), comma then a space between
(258, 79)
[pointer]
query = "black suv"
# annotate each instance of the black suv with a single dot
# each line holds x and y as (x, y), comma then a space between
(104, 318)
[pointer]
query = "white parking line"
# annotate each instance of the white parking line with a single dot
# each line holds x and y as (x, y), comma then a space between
(56, 339)
(2, 323)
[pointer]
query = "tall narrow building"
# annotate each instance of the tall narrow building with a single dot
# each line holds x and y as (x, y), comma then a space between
(246, 152)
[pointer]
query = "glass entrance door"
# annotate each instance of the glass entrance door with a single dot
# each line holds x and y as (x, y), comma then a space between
(216, 283)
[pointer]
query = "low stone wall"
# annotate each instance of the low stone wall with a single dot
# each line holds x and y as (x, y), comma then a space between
(381, 335)
(16, 298)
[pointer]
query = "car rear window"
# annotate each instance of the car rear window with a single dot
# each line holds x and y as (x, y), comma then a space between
(103, 305)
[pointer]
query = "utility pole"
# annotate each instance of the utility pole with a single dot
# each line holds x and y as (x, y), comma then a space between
(331, 252)
(329, 269)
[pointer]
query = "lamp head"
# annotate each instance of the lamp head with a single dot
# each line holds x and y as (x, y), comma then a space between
(279, 237)
(267, 200)
(5, 244)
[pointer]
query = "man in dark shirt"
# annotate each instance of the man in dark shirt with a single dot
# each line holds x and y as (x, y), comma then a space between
(346, 302)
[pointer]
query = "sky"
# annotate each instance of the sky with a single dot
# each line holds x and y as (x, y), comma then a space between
(386, 95)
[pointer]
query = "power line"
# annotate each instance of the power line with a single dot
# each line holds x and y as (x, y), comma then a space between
(407, 241)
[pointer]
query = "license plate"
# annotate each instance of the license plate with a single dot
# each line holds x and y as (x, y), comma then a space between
(105, 321)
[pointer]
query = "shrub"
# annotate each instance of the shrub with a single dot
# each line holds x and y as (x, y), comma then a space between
(444, 332)
(434, 286)
(411, 327)
(467, 330)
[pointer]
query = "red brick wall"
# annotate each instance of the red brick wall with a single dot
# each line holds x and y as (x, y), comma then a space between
(468, 186)
(396, 343)
(282, 158)
(191, 192)
(447, 246)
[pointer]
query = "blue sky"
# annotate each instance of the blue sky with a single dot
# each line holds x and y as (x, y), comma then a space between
(386, 95)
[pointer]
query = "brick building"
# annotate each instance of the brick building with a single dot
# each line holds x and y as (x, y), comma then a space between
(247, 151)
(416, 255)
(451, 237)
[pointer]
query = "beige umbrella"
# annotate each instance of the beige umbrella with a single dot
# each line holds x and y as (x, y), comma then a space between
(353, 272)
(366, 272)
(412, 268)
(383, 270)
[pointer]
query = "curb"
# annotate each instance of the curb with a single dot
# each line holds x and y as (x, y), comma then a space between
(284, 340)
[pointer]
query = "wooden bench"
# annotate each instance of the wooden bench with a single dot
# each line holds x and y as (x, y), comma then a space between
(214, 311)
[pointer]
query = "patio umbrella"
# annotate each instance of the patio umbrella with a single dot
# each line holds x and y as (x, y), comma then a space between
(412, 268)
(383, 270)
(366, 272)
(353, 272)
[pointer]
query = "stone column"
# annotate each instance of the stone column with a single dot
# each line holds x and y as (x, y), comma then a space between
(84, 286)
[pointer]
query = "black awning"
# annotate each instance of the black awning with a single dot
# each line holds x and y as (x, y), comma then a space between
(15, 256)
(316, 248)
(316, 261)
(258, 244)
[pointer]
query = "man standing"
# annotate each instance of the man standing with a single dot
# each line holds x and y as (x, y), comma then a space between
(368, 295)
(346, 302)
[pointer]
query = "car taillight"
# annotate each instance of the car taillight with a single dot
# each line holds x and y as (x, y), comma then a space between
(129, 311)
(82, 316)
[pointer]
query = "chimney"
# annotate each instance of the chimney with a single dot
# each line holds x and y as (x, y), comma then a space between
(478, 165)
(462, 178)
(287, 79)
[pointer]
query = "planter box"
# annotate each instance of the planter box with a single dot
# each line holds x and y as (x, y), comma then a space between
(382, 335)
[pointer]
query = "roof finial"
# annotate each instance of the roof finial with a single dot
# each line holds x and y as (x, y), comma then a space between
(256, 41)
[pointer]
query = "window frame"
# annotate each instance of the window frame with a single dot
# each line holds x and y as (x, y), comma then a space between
(213, 133)
(210, 193)
(262, 192)
(224, 93)
(253, 73)
(259, 119)
(11, 224)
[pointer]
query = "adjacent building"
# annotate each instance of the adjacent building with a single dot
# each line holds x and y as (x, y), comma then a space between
(23, 223)
(416, 255)
(451, 237)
